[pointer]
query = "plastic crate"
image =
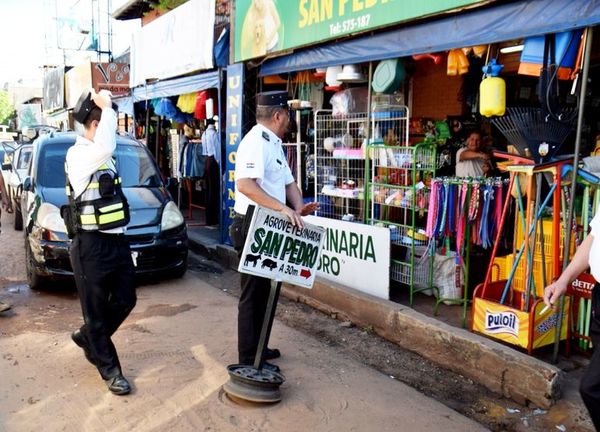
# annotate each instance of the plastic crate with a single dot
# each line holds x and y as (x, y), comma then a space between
(548, 234)
(519, 280)
(499, 269)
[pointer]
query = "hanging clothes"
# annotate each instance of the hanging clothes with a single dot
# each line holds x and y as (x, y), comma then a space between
(187, 103)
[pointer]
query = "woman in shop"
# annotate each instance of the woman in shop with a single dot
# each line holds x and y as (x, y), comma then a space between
(471, 160)
(587, 255)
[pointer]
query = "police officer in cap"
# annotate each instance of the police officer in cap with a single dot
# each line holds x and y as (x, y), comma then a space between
(96, 218)
(263, 178)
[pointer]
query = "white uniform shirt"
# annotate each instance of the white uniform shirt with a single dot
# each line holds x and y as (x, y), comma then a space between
(468, 168)
(211, 144)
(260, 156)
(594, 258)
(85, 157)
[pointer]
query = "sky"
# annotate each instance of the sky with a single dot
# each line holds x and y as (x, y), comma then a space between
(30, 35)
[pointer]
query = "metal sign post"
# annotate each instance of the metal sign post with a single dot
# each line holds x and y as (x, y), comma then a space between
(277, 250)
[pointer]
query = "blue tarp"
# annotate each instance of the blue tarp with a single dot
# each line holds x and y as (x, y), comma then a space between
(496, 23)
(178, 86)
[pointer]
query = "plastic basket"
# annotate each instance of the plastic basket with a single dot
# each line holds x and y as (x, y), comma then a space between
(519, 280)
(548, 234)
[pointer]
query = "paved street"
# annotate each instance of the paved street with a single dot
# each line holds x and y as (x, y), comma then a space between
(174, 347)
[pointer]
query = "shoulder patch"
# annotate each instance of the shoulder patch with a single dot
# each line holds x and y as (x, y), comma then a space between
(266, 136)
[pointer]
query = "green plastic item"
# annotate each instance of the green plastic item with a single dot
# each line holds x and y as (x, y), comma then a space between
(388, 76)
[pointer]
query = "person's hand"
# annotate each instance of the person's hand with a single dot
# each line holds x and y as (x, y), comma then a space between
(309, 208)
(485, 156)
(553, 292)
(102, 99)
(293, 216)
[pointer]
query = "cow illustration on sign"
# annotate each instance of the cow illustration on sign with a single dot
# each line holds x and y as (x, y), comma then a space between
(260, 31)
(252, 259)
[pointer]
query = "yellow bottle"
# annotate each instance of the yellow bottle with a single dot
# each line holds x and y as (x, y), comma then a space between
(492, 91)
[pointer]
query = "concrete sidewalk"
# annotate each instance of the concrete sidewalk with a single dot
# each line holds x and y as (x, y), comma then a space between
(174, 348)
(500, 368)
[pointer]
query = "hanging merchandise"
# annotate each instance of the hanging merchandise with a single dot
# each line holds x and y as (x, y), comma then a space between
(200, 109)
(388, 76)
(187, 102)
(565, 52)
(437, 59)
(458, 64)
(492, 91)
(352, 74)
(210, 103)
(479, 50)
(165, 108)
(333, 84)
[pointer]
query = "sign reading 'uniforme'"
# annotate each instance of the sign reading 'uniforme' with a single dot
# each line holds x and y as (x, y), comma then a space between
(278, 250)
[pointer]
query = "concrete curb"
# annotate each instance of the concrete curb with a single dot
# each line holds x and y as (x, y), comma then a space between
(499, 368)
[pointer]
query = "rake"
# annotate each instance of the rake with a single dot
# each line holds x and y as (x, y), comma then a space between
(530, 129)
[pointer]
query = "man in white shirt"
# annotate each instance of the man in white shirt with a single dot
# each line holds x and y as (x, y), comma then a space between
(470, 160)
(100, 255)
(263, 178)
(211, 146)
(586, 256)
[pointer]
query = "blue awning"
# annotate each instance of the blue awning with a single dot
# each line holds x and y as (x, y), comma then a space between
(176, 87)
(496, 23)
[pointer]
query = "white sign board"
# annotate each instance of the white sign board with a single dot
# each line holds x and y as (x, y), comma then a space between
(177, 43)
(355, 255)
(275, 249)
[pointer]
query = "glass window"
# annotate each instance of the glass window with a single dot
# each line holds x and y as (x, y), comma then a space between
(24, 158)
(134, 164)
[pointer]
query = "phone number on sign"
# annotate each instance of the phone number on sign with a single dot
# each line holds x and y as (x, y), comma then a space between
(349, 25)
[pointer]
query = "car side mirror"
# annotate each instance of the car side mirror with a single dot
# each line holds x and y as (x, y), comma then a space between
(27, 184)
(6, 167)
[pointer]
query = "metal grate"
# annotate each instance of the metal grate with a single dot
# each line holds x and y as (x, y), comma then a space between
(339, 149)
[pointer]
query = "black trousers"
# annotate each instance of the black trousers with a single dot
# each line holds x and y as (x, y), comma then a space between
(104, 275)
(213, 196)
(589, 387)
(253, 298)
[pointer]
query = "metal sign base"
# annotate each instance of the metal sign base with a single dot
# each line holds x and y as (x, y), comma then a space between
(254, 385)
(252, 382)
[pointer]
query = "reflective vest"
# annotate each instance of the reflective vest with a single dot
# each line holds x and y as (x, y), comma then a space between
(102, 204)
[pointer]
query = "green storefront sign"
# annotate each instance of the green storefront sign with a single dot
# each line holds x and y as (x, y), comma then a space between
(265, 26)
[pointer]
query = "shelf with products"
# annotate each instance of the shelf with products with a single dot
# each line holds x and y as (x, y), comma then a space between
(340, 164)
(398, 192)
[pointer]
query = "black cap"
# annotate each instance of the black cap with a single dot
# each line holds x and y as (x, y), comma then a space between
(85, 105)
(272, 98)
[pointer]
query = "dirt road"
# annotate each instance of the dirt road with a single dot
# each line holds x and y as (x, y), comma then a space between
(174, 348)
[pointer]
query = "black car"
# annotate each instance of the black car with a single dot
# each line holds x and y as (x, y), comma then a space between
(156, 231)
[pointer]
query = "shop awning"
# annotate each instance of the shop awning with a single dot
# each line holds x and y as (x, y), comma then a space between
(178, 86)
(493, 24)
(125, 104)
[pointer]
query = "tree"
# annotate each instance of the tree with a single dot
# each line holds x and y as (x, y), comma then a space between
(6, 107)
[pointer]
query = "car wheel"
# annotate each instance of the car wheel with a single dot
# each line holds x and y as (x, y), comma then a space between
(18, 219)
(35, 281)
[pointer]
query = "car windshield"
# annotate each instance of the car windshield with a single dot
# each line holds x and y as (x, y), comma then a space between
(134, 164)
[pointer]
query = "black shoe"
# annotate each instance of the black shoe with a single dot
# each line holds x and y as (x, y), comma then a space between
(118, 385)
(82, 343)
(271, 367)
(271, 354)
